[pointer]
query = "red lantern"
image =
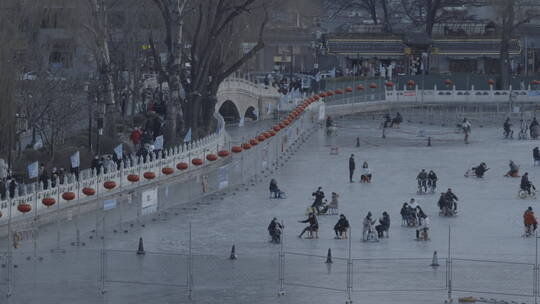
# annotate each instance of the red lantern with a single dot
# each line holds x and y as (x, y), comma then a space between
(223, 153)
(316, 97)
(276, 128)
(88, 191)
(48, 201)
(149, 175)
(535, 82)
(360, 87)
(253, 142)
(246, 146)
(182, 166)
(411, 83)
(322, 95)
(236, 149)
(109, 185)
(338, 91)
(286, 122)
(389, 84)
(491, 81)
(267, 134)
(24, 207)
(197, 161)
(373, 85)
(348, 89)
(211, 157)
(282, 125)
(167, 170)
(261, 138)
(448, 82)
(133, 178)
(329, 93)
(68, 196)
(272, 133)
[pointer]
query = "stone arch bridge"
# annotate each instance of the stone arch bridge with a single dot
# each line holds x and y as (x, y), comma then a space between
(239, 98)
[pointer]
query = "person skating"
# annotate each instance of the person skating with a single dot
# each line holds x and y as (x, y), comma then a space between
(384, 224)
(530, 222)
(274, 229)
(422, 180)
(432, 180)
(514, 170)
(423, 226)
(536, 156)
(352, 167)
(508, 133)
(466, 126)
(367, 226)
(341, 227)
(525, 184)
(313, 226)
(366, 173)
(319, 196)
(451, 199)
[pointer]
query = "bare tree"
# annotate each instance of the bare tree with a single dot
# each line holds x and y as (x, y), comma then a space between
(375, 8)
(202, 50)
(512, 14)
(427, 13)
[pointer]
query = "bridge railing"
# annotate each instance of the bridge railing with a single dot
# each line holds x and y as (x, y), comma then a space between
(232, 83)
(34, 194)
(459, 96)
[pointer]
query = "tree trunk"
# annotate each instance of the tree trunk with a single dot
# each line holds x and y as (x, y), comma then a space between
(387, 27)
(506, 36)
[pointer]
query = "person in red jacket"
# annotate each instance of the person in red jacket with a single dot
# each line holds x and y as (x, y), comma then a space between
(136, 136)
(530, 221)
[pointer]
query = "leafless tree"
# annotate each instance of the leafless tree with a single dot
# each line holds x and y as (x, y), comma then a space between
(375, 8)
(202, 50)
(427, 13)
(512, 14)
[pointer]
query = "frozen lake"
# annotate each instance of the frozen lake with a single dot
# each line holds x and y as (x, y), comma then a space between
(488, 227)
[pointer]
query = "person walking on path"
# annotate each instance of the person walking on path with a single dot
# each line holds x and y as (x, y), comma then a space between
(352, 166)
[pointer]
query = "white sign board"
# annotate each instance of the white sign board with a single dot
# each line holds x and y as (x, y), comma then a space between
(149, 201)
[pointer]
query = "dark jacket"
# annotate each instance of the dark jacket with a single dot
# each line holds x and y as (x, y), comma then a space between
(385, 221)
(312, 220)
(536, 154)
(422, 175)
(525, 182)
(319, 195)
(352, 164)
(432, 176)
(273, 226)
(342, 224)
(450, 197)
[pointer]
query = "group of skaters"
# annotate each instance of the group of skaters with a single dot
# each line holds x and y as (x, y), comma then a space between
(527, 129)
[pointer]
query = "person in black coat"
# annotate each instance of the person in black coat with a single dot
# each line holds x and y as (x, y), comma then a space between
(341, 226)
(384, 224)
(12, 188)
(274, 229)
(352, 166)
(432, 179)
(319, 196)
(526, 184)
(451, 199)
(3, 189)
(536, 155)
(313, 224)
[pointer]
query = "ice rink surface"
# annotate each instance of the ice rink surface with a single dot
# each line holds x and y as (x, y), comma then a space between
(394, 270)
